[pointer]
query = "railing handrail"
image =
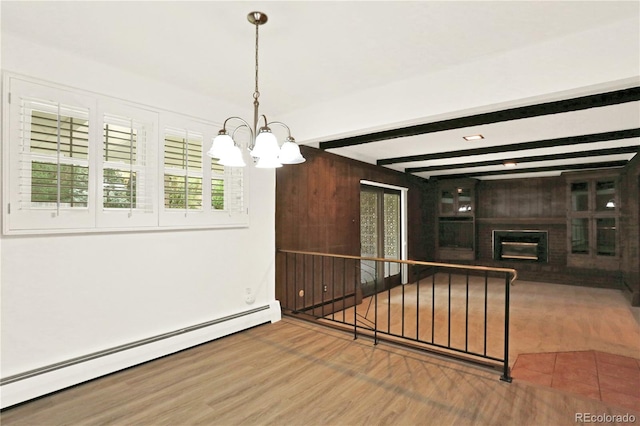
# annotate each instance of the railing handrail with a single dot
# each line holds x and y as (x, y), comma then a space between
(513, 272)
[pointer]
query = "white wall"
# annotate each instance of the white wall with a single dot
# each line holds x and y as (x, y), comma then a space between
(65, 296)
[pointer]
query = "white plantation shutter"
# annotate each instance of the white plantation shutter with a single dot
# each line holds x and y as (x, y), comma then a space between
(183, 170)
(227, 189)
(54, 165)
(77, 161)
(127, 194)
(197, 190)
(49, 159)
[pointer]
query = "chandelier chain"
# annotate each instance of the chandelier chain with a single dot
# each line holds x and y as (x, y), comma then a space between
(256, 93)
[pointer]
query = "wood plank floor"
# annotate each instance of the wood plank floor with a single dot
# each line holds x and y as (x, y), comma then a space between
(543, 317)
(297, 373)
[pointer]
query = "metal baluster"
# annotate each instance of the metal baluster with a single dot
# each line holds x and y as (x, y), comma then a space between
(466, 318)
(506, 377)
(389, 305)
(304, 280)
(433, 306)
(418, 310)
(333, 288)
(355, 306)
(344, 291)
(449, 314)
(286, 280)
(486, 277)
(322, 288)
(295, 283)
(313, 287)
(375, 308)
(402, 309)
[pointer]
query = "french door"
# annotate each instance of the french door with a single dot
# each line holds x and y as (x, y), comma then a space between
(380, 237)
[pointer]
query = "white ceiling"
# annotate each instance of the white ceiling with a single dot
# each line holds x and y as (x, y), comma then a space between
(322, 63)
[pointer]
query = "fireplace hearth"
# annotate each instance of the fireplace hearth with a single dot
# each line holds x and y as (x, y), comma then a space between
(520, 245)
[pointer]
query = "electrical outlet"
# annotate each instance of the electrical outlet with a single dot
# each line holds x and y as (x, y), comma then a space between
(250, 298)
(324, 288)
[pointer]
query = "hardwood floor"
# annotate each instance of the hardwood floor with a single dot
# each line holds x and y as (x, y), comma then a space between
(294, 372)
(543, 317)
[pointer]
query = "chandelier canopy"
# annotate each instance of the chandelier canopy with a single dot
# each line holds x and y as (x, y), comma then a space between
(263, 145)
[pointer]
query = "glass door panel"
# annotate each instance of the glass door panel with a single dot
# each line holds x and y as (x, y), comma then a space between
(391, 208)
(369, 225)
(380, 237)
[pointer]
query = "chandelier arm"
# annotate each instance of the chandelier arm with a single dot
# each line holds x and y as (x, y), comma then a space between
(264, 117)
(245, 124)
(239, 127)
(281, 124)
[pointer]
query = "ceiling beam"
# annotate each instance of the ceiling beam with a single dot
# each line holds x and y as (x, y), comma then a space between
(554, 107)
(546, 143)
(587, 166)
(550, 157)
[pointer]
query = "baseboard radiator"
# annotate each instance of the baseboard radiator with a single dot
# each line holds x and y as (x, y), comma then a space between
(30, 384)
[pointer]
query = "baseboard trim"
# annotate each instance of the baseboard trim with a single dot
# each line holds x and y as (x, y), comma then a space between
(31, 384)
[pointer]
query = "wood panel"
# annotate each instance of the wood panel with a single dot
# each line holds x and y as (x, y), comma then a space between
(630, 224)
(317, 209)
(318, 206)
(543, 198)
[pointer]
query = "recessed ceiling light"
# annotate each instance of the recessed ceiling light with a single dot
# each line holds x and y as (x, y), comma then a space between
(510, 163)
(473, 137)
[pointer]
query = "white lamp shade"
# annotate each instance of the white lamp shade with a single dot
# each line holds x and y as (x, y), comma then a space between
(222, 145)
(268, 163)
(290, 153)
(266, 146)
(232, 158)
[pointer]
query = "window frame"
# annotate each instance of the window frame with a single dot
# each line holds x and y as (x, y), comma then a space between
(138, 217)
(39, 219)
(95, 218)
(591, 259)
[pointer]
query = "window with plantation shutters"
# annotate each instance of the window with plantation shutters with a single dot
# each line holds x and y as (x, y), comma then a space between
(81, 162)
(56, 149)
(49, 170)
(127, 193)
(183, 170)
(197, 191)
(227, 188)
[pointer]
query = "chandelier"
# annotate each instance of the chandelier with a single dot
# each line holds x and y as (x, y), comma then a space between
(263, 145)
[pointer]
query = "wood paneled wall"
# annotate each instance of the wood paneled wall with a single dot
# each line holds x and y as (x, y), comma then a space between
(630, 225)
(318, 209)
(318, 206)
(534, 200)
(540, 204)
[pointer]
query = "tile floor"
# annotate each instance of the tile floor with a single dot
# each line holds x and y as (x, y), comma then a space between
(613, 379)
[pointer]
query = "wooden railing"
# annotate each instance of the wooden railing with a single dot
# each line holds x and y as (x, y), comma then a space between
(455, 310)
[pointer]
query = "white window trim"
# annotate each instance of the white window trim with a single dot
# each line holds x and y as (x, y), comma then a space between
(126, 218)
(94, 218)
